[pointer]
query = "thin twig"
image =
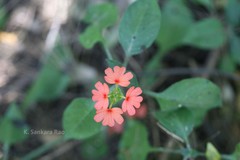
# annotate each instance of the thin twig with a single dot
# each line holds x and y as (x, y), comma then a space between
(211, 62)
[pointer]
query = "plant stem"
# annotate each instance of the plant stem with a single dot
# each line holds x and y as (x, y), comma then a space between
(183, 152)
(6, 148)
(166, 150)
(188, 144)
(150, 93)
(44, 148)
(108, 53)
(125, 63)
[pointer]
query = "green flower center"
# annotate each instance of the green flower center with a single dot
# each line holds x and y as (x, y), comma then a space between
(115, 96)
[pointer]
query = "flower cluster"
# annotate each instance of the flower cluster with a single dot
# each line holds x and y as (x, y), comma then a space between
(105, 97)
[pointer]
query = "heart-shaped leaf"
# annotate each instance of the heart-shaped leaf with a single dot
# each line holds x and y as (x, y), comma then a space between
(99, 16)
(184, 105)
(212, 153)
(180, 123)
(139, 26)
(190, 93)
(90, 36)
(12, 126)
(102, 15)
(236, 153)
(78, 122)
(134, 144)
(207, 34)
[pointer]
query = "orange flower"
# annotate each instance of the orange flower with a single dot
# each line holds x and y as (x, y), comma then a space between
(100, 96)
(118, 76)
(109, 116)
(132, 100)
(140, 113)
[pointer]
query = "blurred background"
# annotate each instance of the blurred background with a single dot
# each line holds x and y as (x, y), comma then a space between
(44, 65)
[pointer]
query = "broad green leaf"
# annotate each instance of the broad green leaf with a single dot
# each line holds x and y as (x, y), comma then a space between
(193, 93)
(10, 133)
(139, 26)
(235, 47)
(101, 15)
(207, 34)
(90, 37)
(212, 153)
(134, 144)
(12, 127)
(176, 21)
(233, 12)
(14, 112)
(180, 123)
(236, 153)
(50, 84)
(3, 16)
(52, 79)
(227, 64)
(78, 122)
(97, 145)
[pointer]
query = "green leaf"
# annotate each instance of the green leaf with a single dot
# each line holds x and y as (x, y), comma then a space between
(78, 122)
(14, 113)
(139, 26)
(134, 144)
(184, 105)
(3, 16)
(12, 126)
(206, 34)
(180, 123)
(233, 12)
(236, 153)
(10, 133)
(235, 47)
(176, 21)
(52, 79)
(193, 93)
(227, 64)
(212, 153)
(101, 15)
(50, 84)
(90, 37)
(97, 145)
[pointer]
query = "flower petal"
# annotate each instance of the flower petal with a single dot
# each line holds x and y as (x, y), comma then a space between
(127, 76)
(124, 83)
(99, 86)
(129, 91)
(118, 118)
(137, 91)
(131, 111)
(124, 106)
(99, 116)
